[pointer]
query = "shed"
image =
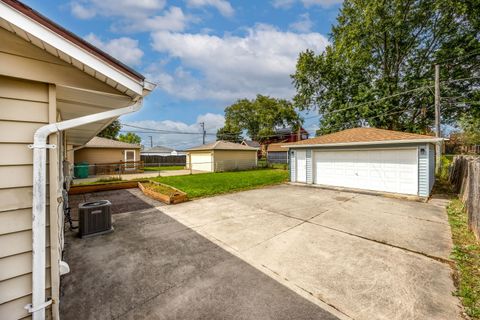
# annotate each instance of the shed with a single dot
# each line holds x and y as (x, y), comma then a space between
(222, 156)
(161, 151)
(52, 84)
(102, 153)
(367, 158)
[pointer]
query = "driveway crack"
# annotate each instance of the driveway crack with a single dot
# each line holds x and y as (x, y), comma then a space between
(426, 255)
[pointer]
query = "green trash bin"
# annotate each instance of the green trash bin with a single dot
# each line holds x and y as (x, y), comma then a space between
(80, 170)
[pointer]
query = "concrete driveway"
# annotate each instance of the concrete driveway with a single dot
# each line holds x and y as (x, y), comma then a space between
(367, 257)
(282, 252)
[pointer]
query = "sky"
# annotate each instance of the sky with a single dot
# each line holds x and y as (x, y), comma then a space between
(202, 54)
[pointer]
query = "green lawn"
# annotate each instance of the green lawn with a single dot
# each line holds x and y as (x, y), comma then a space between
(466, 253)
(163, 168)
(208, 184)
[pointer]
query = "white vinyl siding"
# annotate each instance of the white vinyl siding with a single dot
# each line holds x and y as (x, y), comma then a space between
(309, 170)
(431, 167)
(292, 163)
(423, 172)
(387, 170)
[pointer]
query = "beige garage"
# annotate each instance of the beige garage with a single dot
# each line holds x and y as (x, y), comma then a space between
(221, 156)
(102, 154)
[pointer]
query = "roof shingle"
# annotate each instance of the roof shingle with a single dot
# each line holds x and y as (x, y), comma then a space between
(99, 142)
(222, 145)
(361, 135)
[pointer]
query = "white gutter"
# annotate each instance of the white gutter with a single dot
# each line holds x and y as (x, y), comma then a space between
(40, 146)
(346, 144)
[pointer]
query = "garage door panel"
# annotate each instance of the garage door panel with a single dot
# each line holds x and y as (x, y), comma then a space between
(379, 170)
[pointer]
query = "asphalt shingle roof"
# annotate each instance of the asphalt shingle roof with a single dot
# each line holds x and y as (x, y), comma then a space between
(361, 135)
(222, 145)
(99, 142)
(158, 149)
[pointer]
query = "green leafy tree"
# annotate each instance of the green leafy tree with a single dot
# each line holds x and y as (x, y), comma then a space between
(387, 48)
(258, 117)
(229, 134)
(470, 125)
(111, 132)
(130, 137)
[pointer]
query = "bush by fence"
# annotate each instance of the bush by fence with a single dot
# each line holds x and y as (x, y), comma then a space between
(465, 178)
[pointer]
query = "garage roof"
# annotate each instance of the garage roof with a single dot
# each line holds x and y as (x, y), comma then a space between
(222, 145)
(359, 136)
(99, 142)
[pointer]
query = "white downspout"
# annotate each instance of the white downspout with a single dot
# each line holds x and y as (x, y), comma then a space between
(37, 308)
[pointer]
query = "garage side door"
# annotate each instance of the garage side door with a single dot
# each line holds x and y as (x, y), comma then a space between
(202, 161)
(301, 166)
(378, 170)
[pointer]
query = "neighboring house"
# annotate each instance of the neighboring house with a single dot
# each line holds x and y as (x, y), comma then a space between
(50, 79)
(276, 153)
(283, 135)
(286, 135)
(367, 158)
(222, 156)
(162, 151)
(102, 153)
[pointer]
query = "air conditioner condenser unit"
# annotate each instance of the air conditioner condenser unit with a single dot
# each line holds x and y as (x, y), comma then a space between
(95, 218)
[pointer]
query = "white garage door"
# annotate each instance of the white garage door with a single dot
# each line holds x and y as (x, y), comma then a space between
(379, 170)
(202, 161)
(301, 166)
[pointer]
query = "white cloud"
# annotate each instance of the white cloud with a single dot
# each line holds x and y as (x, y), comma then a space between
(124, 49)
(179, 141)
(85, 9)
(233, 67)
(223, 6)
(81, 12)
(304, 24)
(172, 19)
(286, 4)
(283, 4)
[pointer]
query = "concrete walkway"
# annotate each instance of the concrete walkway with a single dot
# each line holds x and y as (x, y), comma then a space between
(366, 256)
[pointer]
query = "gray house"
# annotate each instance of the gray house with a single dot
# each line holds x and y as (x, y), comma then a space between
(367, 158)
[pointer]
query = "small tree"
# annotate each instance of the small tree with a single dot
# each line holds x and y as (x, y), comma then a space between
(130, 137)
(111, 132)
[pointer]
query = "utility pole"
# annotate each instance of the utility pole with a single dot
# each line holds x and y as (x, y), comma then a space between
(151, 141)
(438, 134)
(204, 133)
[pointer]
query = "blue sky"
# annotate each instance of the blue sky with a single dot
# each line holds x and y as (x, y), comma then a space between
(203, 54)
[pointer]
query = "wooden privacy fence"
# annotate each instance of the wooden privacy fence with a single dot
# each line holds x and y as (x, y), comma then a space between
(465, 178)
(471, 149)
(156, 161)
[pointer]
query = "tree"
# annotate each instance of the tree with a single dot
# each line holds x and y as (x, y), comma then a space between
(385, 48)
(111, 131)
(130, 137)
(229, 134)
(470, 124)
(258, 118)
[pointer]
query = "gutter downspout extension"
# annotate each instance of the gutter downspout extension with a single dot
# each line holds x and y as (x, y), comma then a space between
(40, 146)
